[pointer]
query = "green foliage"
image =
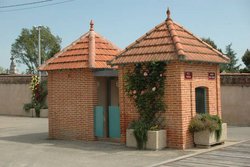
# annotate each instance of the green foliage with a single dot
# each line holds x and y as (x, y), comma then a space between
(140, 133)
(210, 42)
(232, 66)
(245, 70)
(196, 124)
(25, 47)
(39, 94)
(145, 85)
(246, 60)
(223, 67)
(27, 106)
(206, 122)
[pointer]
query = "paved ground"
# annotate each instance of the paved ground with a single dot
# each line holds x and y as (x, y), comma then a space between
(235, 155)
(24, 143)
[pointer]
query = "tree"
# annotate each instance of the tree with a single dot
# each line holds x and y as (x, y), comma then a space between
(246, 59)
(2, 70)
(25, 47)
(232, 66)
(211, 42)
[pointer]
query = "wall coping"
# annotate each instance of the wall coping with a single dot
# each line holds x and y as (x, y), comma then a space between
(235, 74)
(17, 79)
(235, 79)
(227, 79)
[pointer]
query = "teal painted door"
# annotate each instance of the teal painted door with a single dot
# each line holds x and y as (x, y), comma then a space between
(99, 121)
(114, 122)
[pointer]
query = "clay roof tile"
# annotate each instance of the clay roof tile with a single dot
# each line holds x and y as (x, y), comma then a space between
(76, 55)
(169, 41)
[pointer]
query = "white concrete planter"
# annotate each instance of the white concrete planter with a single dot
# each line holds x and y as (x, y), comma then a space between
(156, 139)
(44, 113)
(207, 138)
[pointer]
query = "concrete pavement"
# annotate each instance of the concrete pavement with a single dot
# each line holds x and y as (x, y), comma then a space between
(24, 143)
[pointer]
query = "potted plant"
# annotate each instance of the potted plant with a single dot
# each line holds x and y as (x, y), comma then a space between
(153, 139)
(208, 130)
(145, 86)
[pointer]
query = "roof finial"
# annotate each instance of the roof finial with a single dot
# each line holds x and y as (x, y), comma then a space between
(168, 14)
(91, 25)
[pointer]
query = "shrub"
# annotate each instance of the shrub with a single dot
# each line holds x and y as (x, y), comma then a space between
(27, 106)
(39, 93)
(140, 133)
(145, 85)
(206, 122)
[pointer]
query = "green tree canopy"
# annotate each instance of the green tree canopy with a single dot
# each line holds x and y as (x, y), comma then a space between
(25, 47)
(212, 43)
(246, 59)
(232, 66)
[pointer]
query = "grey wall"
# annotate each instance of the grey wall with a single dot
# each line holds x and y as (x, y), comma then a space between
(235, 98)
(14, 93)
(13, 97)
(236, 105)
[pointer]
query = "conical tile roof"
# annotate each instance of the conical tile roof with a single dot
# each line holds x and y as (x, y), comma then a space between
(166, 42)
(78, 54)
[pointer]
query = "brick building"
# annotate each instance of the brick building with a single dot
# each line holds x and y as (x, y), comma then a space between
(80, 85)
(83, 89)
(192, 78)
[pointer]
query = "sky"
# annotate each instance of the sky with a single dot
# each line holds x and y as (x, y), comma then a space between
(124, 21)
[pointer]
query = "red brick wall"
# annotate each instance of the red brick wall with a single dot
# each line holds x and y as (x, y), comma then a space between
(72, 95)
(180, 100)
(127, 106)
(187, 94)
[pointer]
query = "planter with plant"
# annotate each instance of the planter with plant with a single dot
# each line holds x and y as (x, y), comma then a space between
(208, 130)
(39, 93)
(145, 86)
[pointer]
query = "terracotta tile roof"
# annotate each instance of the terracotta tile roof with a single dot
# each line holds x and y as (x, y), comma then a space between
(169, 41)
(78, 54)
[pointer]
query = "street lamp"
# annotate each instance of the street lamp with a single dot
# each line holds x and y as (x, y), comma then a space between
(39, 49)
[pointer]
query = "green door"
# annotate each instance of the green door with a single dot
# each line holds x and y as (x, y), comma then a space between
(99, 121)
(200, 99)
(114, 122)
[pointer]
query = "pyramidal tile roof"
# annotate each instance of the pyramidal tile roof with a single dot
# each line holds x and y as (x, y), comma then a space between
(169, 41)
(91, 50)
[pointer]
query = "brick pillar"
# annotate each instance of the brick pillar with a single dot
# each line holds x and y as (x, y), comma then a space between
(123, 118)
(173, 101)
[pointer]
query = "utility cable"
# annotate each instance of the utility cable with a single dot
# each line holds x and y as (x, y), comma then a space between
(40, 6)
(25, 4)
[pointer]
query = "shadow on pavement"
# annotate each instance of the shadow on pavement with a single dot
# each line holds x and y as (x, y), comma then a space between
(41, 139)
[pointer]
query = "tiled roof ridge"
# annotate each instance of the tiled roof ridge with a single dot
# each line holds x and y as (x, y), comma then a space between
(175, 38)
(91, 48)
(209, 46)
(174, 41)
(108, 41)
(147, 54)
(73, 43)
(62, 51)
